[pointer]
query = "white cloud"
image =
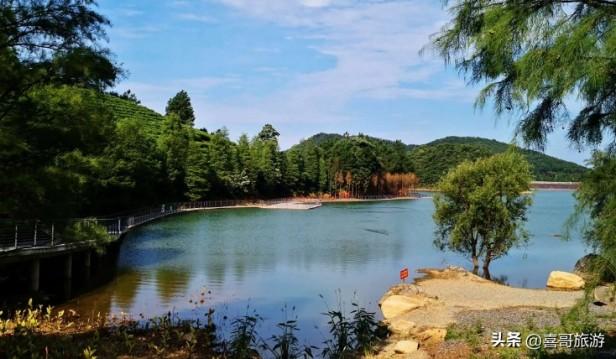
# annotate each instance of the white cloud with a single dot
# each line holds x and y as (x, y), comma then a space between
(134, 32)
(197, 18)
(316, 3)
(375, 47)
(129, 12)
(375, 44)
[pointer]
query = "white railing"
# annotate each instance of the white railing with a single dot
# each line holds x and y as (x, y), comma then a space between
(42, 234)
(45, 234)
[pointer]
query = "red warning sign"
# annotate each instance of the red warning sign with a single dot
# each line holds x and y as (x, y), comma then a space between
(404, 274)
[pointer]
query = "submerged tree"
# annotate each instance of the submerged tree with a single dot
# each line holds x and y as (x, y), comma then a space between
(481, 207)
(533, 55)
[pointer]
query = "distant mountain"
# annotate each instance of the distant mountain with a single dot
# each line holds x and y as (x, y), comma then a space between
(432, 160)
(429, 161)
(435, 158)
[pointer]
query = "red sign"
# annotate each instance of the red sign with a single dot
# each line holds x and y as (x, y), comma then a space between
(404, 274)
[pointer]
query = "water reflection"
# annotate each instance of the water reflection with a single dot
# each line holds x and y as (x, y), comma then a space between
(125, 289)
(171, 283)
(269, 259)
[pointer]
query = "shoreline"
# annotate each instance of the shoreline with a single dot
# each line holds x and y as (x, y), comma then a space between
(351, 200)
(534, 186)
(423, 312)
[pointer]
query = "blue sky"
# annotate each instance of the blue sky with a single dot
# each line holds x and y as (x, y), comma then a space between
(305, 66)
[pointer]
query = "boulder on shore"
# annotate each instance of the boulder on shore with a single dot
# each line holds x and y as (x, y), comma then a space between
(565, 280)
(401, 326)
(395, 305)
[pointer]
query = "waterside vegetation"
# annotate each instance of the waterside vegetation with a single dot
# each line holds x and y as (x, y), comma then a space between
(480, 209)
(43, 332)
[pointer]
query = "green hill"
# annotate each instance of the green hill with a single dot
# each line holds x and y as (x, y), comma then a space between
(123, 108)
(432, 160)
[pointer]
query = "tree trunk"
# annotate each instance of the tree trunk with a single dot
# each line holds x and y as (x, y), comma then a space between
(486, 265)
(475, 264)
(486, 273)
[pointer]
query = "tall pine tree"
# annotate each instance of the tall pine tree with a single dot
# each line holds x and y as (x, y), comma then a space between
(180, 104)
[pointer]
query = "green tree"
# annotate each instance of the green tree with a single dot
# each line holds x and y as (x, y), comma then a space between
(180, 105)
(132, 168)
(268, 133)
(481, 207)
(311, 170)
(244, 162)
(173, 144)
(356, 158)
(268, 161)
(222, 155)
(293, 173)
(50, 131)
(198, 172)
(50, 42)
(535, 54)
(596, 196)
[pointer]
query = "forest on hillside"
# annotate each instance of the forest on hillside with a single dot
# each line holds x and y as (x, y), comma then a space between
(112, 154)
(69, 147)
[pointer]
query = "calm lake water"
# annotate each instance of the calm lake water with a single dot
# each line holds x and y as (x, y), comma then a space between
(264, 260)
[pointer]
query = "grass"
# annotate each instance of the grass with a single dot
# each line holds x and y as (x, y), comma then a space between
(578, 319)
(42, 332)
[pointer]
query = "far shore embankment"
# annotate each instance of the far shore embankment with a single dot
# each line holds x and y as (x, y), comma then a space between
(367, 199)
(534, 185)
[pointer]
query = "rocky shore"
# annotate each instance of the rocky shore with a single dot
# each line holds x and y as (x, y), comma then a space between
(419, 314)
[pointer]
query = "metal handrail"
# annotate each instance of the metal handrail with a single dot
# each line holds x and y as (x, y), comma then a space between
(39, 234)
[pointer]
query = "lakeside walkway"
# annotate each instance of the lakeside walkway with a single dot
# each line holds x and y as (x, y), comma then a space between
(29, 237)
(33, 241)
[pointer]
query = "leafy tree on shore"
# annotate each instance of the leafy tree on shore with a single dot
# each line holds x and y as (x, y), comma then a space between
(173, 146)
(481, 208)
(268, 161)
(198, 172)
(597, 196)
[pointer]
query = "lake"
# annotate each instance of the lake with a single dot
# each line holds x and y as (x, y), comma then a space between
(240, 260)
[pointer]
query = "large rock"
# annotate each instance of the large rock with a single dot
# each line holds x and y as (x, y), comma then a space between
(395, 305)
(565, 280)
(401, 326)
(406, 346)
(432, 336)
(605, 295)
